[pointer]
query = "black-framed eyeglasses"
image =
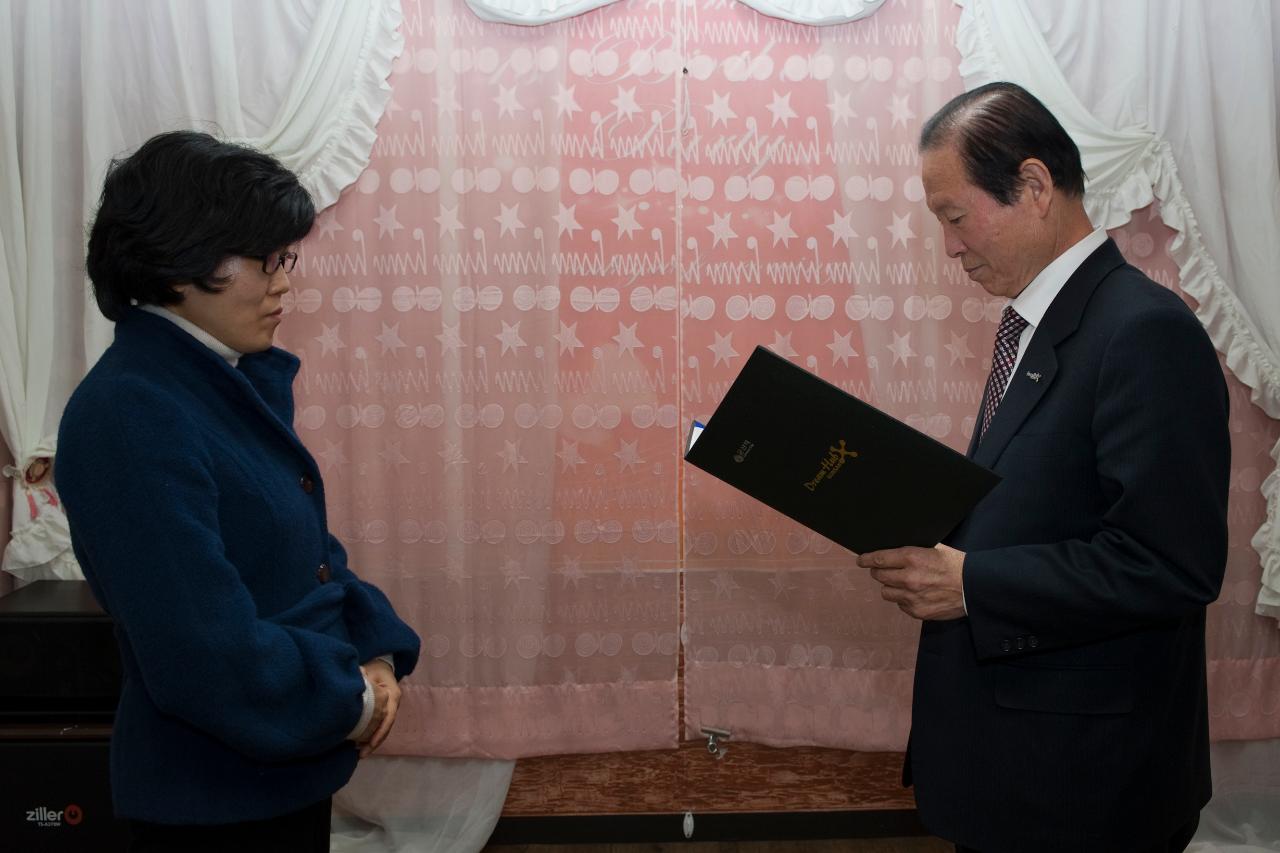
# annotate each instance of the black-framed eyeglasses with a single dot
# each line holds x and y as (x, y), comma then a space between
(279, 260)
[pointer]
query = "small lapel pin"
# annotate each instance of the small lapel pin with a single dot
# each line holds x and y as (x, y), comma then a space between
(1034, 377)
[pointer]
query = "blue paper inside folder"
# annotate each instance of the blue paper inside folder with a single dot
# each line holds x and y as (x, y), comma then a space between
(832, 462)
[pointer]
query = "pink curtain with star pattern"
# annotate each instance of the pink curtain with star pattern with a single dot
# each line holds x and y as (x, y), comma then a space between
(568, 240)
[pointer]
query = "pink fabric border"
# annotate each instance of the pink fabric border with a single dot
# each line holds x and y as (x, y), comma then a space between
(516, 722)
(782, 706)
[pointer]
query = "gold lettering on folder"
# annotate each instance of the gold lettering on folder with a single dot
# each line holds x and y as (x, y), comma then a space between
(831, 465)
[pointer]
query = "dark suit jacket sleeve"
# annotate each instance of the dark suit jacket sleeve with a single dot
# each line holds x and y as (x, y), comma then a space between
(371, 621)
(1162, 458)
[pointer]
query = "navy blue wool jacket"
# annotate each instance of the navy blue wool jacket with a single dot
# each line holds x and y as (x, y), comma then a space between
(199, 520)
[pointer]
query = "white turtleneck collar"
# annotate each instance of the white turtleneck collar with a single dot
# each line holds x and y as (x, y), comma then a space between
(232, 357)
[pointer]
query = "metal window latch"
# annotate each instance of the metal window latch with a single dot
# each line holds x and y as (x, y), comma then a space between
(714, 736)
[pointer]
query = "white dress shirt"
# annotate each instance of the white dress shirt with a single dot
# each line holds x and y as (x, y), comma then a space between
(1034, 300)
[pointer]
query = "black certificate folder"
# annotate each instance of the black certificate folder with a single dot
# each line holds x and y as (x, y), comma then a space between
(833, 463)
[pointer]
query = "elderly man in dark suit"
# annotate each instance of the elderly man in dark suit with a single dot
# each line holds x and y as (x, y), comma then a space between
(1060, 701)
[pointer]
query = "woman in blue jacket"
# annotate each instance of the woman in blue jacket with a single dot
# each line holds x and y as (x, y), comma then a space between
(257, 667)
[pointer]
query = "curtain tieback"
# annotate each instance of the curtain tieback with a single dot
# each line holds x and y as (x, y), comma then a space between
(36, 473)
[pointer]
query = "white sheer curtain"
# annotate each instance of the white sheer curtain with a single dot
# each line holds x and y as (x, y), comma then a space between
(1244, 814)
(1176, 100)
(419, 805)
(82, 82)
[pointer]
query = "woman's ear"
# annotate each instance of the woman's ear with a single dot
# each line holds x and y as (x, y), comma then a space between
(182, 289)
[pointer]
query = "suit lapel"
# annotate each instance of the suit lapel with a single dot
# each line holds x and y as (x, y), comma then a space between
(1039, 365)
(1025, 391)
(977, 423)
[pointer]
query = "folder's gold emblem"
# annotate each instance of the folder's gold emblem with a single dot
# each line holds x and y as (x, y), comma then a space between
(831, 465)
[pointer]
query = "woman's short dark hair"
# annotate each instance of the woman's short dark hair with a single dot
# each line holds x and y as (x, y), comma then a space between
(173, 210)
(994, 129)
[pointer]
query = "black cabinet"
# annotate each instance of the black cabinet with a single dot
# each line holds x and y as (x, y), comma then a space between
(59, 683)
(54, 790)
(59, 659)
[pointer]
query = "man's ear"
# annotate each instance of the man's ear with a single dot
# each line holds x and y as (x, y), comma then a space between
(1037, 183)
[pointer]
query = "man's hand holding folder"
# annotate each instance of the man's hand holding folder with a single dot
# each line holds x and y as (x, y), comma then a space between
(925, 583)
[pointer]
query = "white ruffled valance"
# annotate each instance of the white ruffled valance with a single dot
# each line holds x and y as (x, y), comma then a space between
(818, 13)
(532, 13)
(1128, 167)
(84, 81)
(326, 126)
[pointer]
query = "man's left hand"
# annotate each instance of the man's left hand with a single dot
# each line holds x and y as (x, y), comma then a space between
(925, 583)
